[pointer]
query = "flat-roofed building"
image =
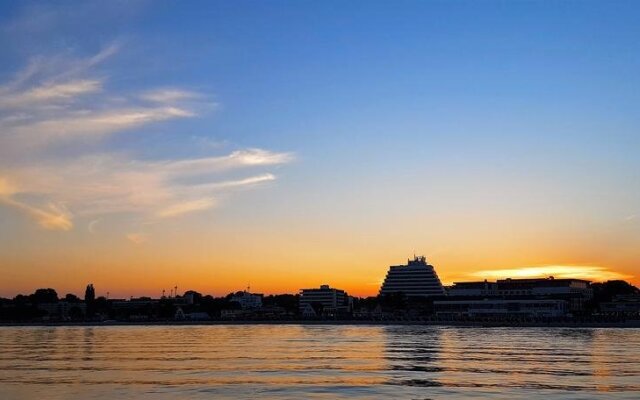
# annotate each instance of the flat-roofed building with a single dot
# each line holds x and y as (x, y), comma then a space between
(574, 291)
(501, 308)
(544, 287)
(324, 300)
(473, 289)
(416, 279)
(63, 309)
(523, 287)
(622, 305)
(248, 301)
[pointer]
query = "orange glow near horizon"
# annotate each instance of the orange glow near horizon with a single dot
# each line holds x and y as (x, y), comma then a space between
(283, 256)
(153, 146)
(360, 277)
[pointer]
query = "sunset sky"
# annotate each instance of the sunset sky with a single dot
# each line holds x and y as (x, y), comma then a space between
(217, 144)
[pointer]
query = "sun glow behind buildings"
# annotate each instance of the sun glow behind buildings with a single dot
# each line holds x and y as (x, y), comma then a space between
(290, 157)
(593, 273)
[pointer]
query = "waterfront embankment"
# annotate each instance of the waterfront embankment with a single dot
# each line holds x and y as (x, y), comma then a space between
(474, 323)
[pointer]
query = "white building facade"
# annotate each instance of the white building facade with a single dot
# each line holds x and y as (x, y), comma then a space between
(248, 301)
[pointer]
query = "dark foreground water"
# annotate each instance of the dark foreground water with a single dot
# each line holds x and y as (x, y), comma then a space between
(318, 362)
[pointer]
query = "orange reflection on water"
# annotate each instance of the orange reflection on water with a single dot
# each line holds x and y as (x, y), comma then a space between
(600, 361)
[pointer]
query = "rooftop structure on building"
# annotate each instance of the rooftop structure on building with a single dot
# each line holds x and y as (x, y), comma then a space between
(416, 279)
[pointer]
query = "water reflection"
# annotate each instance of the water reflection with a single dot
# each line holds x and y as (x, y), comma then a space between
(413, 354)
(615, 360)
(89, 341)
(294, 361)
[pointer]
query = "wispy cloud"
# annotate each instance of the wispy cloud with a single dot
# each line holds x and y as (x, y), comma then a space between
(60, 98)
(57, 100)
(107, 183)
(58, 69)
(49, 93)
(55, 217)
(91, 227)
(104, 184)
(250, 181)
(137, 238)
(169, 95)
(186, 207)
(237, 159)
(91, 124)
(6, 187)
(591, 272)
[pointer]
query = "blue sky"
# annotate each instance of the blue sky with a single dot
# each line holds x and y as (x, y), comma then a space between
(493, 118)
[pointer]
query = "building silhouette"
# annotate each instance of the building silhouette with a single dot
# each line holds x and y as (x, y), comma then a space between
(248, 301)
(323, 301)
(416, 279)
(573, 292)
(501, 307)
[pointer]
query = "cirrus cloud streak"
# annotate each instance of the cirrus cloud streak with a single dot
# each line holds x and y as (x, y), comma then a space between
(58, 101)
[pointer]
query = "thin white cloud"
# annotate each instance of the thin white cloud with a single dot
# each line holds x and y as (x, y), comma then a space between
(49, 93)
(91, 227)
(56, 217)
(170, 96)
(55, 69)
(61, 68)
(6, 187)
(137, 238)
(239, 158)
(89, 124)
(259, 157)
(34, 66)
(186, 207)
(96, 59)
(41, 106)
(103, 184)
(56, 101)
(250, 181)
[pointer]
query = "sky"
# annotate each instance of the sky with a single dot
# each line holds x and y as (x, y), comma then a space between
(215, 145)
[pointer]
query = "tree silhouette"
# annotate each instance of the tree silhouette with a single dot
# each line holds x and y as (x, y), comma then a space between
(606, 291)
(71, 298)
(44, 296)
(90, 299)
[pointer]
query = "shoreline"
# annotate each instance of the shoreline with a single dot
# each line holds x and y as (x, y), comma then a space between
(475, 324)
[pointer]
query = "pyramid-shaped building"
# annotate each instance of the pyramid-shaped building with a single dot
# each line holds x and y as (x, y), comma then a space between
(416, 279)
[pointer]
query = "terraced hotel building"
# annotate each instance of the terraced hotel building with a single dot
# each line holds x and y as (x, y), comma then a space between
(416, 279)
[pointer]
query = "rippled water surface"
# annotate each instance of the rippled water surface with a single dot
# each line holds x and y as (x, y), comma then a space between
(321, 362)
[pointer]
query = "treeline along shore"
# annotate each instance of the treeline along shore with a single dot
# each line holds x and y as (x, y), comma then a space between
(609, 304)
